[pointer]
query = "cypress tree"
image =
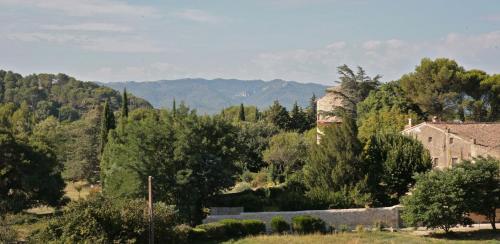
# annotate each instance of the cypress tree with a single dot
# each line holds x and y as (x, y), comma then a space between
(107, 123)
(124, 115)
(242, 113)
(174, 108)
(125, 104)
(257, 114)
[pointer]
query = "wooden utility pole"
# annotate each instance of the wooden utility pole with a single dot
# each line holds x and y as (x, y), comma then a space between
(150, 211)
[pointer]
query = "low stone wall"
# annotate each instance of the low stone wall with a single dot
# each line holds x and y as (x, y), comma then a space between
(389, 216)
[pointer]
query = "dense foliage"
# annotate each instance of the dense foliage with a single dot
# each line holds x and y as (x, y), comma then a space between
(443, 199)
(103, 220)
(306, 224)
(185, 153)
(58, 95)
(392, 160)
(29, 173)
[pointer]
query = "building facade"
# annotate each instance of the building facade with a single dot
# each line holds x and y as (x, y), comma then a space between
(450, 143)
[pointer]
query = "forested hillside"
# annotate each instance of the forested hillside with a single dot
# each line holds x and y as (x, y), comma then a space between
(210, 96)
(58, 95)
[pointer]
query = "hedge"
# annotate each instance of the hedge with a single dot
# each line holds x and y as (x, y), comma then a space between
(279, 225)
(305, 224)
(232, 228)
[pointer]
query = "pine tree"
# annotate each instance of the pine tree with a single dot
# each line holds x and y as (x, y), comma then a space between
(278, 115)
(312, 111)
(242, 113)
(298, 119)
(107, 123)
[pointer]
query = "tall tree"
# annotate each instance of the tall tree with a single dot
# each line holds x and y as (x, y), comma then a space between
(435, 86)
(491, 86)
(286, 155)
(194, 154)
(334, 172)
(278, 115)
(107, 123)
(125, 102)
(174, 108)
(391, 161)
(482, 186)
(124, 112)
(241, 115)
(29, 174)
(312, 111)
(298, 120)
(355, 87)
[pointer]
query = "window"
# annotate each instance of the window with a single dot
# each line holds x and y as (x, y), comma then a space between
(451, 140)
(429, 139)
(454, 161)
(435, 162)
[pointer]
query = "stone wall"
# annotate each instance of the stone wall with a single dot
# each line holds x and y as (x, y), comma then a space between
(390, 216)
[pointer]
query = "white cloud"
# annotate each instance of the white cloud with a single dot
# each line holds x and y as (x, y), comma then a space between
(86, 7)
(96, 27)
(390, 58)
(118, 44)
(197, 15)
(336, 45)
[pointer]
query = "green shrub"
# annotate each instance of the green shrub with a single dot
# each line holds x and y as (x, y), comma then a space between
(279, 225)
(360, 228)
(214, 231)
(186, 234)
(253, 226)
(233, 228)
(101, 220)
(198, 234)
(305, 224)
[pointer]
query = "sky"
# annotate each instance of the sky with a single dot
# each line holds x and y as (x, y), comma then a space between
(299, 40)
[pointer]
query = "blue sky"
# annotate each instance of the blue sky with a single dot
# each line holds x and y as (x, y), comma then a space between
(301, 40)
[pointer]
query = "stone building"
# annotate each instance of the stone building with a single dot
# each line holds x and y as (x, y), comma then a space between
(450, 143)
(325, 106)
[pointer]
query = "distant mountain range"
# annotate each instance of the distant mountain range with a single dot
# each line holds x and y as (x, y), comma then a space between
(210, 96)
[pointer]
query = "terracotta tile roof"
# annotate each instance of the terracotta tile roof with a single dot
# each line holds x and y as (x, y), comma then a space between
(486, 134)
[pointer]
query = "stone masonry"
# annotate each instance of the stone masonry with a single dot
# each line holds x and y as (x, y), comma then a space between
(389, 216)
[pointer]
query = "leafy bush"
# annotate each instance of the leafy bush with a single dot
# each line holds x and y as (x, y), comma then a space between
(233, 227)
(305, 224)
(279, 225)
(214, 231)
(253, 227)
(101, 220)
(186, 234)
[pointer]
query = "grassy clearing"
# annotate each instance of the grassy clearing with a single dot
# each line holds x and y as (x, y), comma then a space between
(373, 237)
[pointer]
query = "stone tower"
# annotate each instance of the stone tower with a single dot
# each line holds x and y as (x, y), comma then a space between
(325, 106)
